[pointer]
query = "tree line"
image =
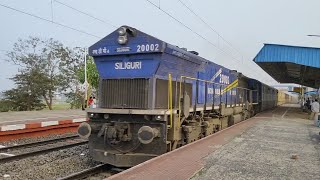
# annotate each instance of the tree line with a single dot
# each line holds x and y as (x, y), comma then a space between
(45, 67)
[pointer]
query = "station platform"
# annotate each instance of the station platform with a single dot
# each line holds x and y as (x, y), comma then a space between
(278, 144)
(34, 119)
(7, 118)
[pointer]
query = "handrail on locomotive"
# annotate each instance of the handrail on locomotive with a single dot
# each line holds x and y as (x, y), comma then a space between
(245, 92)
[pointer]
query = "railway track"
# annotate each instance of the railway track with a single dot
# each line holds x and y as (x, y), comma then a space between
(51, 145)
(87, 172)
(93, 171)
(38, 143)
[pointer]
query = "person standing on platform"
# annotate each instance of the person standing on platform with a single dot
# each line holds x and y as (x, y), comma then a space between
(94, 104)
(315, 111)
(90, 102)
(308, 104)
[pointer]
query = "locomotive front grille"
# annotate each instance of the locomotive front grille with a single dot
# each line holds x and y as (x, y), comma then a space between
(124, 93)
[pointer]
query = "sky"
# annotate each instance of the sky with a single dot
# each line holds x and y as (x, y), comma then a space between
(232, 31)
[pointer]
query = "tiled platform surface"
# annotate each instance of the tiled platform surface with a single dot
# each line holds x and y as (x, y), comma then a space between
(258, 148)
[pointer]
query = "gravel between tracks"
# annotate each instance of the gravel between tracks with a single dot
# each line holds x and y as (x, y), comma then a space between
(49, 166)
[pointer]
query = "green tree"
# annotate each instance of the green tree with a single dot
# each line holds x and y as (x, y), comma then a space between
(75, 98)
(22, 100)
(46, 67)
(6, 105)
(26, 96)
(92, 73)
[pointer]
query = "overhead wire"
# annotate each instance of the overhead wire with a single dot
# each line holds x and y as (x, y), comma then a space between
(90, 34)
(187, 27)
(50, 21)
(87, 14)
(210, 27)
(215, 31)
(219, 35)
(84, 32)
(181, 23)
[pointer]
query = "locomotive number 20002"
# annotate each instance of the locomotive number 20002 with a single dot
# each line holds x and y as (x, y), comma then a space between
(147, 47)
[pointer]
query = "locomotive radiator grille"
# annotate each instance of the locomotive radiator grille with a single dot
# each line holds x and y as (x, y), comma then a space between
(124, 93)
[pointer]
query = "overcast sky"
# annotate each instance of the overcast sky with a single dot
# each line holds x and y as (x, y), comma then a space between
(245, 24)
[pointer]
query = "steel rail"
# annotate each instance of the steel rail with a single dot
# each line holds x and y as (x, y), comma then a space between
(37, 152)
(87, 172)
(37, 143)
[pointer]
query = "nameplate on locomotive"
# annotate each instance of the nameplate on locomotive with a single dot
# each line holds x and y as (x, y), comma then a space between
(128, 65)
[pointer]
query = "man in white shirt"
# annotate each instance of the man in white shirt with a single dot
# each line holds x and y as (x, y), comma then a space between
(94, 105)
(315, 111)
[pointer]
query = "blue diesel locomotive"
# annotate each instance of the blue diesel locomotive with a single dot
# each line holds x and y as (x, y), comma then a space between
(155, 97)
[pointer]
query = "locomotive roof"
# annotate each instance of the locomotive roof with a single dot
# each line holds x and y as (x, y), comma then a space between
(110, 48)
(110, 42)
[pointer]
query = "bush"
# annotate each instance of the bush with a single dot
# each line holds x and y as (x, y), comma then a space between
(75, 100)
(6, 105)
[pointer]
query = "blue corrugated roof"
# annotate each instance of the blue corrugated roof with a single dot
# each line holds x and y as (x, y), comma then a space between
(291, 64)
(307, 56)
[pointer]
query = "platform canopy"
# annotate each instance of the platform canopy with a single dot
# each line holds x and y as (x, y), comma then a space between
(291, 64)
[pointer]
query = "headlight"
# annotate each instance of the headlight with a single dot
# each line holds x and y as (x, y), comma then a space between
(122, 40)
(158, 118)
(122, 31)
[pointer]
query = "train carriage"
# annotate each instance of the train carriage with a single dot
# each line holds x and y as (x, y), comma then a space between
(155, 97)
(266, 96)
